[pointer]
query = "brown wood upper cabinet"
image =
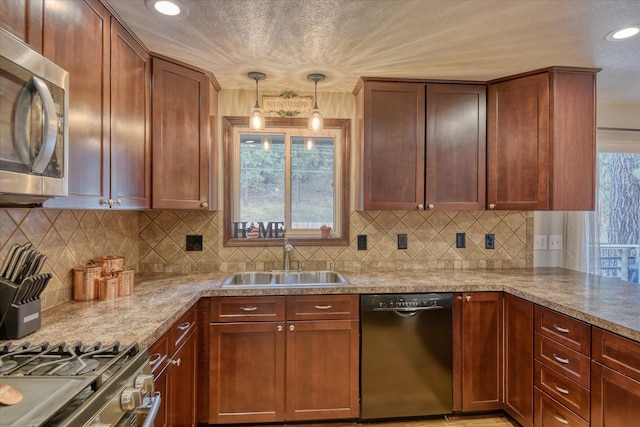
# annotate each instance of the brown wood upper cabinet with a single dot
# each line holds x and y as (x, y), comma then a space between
(23, 19)
(422, 145)
(541, 140)
(109, 106)
(184, 113)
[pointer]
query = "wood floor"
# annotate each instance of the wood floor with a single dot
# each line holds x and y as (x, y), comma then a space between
(484, 421)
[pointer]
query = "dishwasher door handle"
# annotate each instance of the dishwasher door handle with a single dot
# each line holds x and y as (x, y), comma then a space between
(407, 310)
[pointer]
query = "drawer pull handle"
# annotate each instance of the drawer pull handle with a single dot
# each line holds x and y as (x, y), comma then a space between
(184, 326)
(249, 308)
(154, 358)
(323, 307)
(561, 360)
(561, 419)
(561, 329)
(561, 390)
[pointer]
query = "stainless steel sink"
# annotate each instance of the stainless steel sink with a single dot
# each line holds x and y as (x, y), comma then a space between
(284, 279)
(309, 277)
(255, 278)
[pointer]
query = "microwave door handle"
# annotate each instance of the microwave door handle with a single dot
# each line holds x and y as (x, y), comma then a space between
(50, 131)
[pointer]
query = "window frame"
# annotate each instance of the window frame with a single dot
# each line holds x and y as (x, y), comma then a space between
(234, 124)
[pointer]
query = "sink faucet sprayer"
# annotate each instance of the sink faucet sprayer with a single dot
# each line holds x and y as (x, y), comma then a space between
(288, 248)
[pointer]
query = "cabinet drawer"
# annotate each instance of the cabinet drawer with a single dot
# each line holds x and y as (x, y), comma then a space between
(159, 355)
(569, 363)
(565, 391)
(550, 413)
(183, 327)
(564, 329)
(254, 309)
(617, 352)
(319, 307)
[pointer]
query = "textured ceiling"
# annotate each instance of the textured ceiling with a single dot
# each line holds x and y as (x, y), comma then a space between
(440, 39)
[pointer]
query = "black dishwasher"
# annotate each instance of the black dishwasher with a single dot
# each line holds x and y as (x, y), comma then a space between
(406, 355)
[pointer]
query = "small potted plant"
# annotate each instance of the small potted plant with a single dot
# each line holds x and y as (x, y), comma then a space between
(325, 231)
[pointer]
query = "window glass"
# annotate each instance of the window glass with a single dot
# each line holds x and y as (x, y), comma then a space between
(312, 182)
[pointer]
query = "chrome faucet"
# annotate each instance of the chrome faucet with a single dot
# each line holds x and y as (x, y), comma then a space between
(288, 248)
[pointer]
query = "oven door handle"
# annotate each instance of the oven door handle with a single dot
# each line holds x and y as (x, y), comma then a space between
(154, 408)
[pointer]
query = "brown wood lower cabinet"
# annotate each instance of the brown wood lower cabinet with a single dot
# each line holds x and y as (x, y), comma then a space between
(518, 359)
(480, 343)
(175, 359)
(615, 380)
(272, 367)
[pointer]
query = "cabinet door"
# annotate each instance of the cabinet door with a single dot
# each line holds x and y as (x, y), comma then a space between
(247, 362)
(322, 370)
(77, 37)
(481, 351)
(130, 121)
(180, 137)
(456, 147)
(183, 398)
(615, 398)
(518, 363)
(518, 144)
(23, 19)
(394, 144)
(160, 367)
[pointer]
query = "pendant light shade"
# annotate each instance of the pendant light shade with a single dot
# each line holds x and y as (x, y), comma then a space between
(256, 115)
(315, 116)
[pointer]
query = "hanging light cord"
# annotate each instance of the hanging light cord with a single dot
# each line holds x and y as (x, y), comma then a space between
(257, 103)
(315, 96)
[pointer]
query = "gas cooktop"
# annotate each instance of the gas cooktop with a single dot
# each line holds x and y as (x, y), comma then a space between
(72, 384)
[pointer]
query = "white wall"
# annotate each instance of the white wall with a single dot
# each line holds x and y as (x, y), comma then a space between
(622, 116)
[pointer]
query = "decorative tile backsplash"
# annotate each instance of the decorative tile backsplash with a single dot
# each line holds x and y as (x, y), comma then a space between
(69, 238)
(154, 241)
(431, 243)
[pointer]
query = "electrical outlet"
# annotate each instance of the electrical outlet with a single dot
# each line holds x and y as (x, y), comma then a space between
(194, 242)
(402, 241)
(461, 240)
(489, 241)
(362, 242)
(555, 242)
(540, 242)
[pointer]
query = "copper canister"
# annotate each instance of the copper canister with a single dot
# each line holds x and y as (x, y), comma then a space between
(110, 263)
(85, 285)
(108, 288)
(125, 281)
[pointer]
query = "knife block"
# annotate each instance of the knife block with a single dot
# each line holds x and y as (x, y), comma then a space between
(17, 320)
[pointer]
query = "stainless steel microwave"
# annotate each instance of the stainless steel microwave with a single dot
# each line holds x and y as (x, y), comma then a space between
(34, 100)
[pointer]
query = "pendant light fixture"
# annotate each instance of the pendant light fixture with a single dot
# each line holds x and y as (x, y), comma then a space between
(256, 116)
(315, 117)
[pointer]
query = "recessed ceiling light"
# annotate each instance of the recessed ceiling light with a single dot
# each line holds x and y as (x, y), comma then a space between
(168, 7)
(624, 33)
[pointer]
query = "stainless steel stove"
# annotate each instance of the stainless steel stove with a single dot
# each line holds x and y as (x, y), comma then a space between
(78, 385)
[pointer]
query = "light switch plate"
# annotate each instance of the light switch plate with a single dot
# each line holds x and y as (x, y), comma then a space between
(540, 242)
(555, 242)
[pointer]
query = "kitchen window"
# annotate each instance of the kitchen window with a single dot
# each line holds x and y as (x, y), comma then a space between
(286, 181)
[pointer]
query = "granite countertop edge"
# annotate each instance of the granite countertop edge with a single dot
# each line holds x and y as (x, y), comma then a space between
(160, 299)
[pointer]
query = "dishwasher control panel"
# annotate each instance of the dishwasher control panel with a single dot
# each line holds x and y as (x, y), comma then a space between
(406, 301)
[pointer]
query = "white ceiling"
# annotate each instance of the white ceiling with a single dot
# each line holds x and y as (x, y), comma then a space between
(439, 39)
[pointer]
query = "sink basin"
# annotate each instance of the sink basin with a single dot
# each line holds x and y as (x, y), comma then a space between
(249, 278)
(309, 277)
(284, 278)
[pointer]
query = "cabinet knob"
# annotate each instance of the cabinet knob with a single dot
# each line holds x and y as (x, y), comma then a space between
(176, 362)
(492, 206)
(420, 206)
(279, 328)
(118, 202)
(430, 206)
(291, 327)
(103, 202)
(468, 297)
(204, 205)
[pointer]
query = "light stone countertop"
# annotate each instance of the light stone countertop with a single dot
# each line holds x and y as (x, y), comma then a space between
(159, 300)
